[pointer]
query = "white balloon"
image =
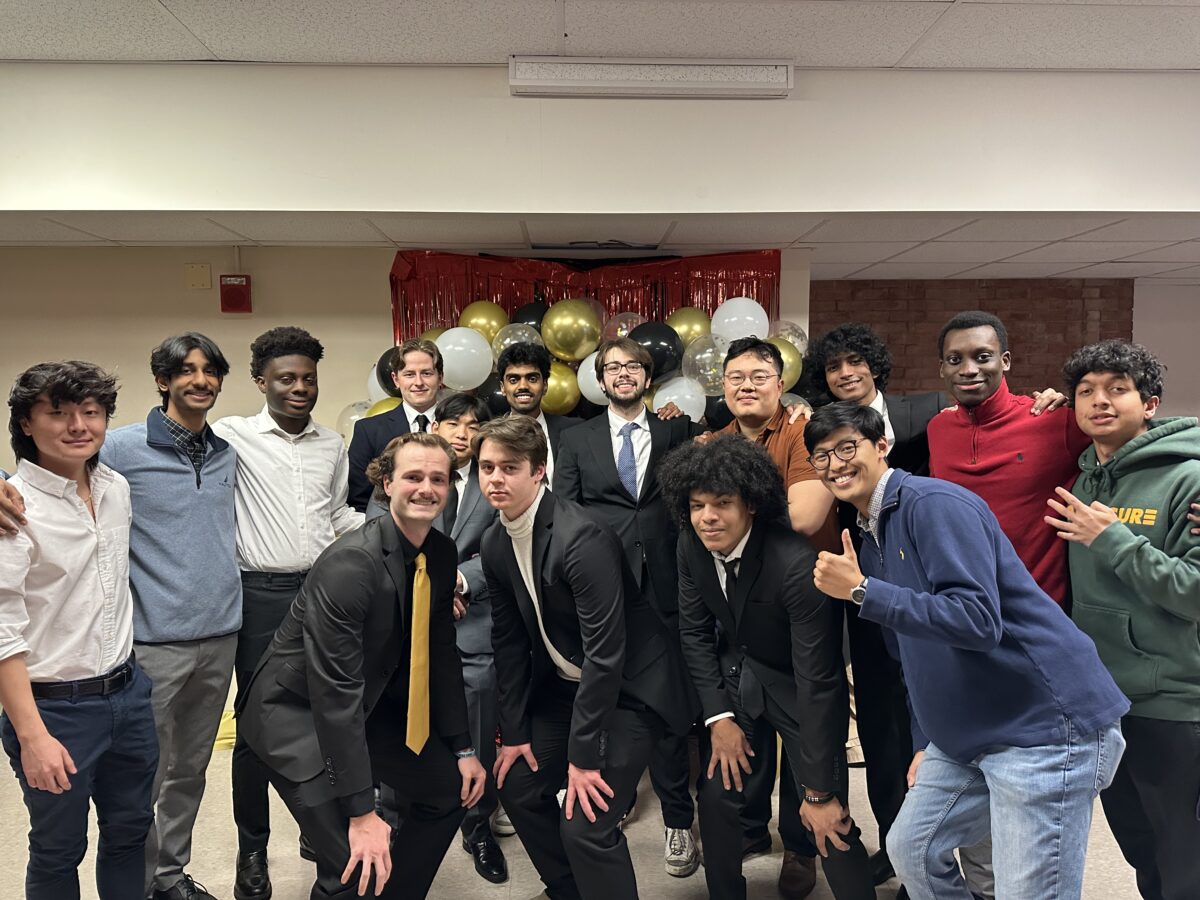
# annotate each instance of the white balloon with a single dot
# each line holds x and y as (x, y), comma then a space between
(467, 356)
(588, 385)
(350, 414)
(375, 391)
(704, 362)
(739, 317)
(685, 393)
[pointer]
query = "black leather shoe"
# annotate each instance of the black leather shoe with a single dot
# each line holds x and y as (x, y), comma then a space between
(306, 848)
(253, 881)
(754, 846)
(489, 859)
(185, 889)
(881, 867)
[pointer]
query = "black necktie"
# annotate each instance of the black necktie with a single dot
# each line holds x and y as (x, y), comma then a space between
(730, 578)
(451, 508)
(422, 421)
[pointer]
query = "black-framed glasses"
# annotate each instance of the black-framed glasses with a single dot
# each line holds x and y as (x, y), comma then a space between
(846, 450)
(633, 367)
(758, 379)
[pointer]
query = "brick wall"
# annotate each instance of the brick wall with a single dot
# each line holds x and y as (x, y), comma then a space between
(1046, 320)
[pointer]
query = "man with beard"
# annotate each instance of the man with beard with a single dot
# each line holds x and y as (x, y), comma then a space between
(608, 465)
(524, 371)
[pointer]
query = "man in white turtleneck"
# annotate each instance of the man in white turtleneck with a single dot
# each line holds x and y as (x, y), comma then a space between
(588, 679)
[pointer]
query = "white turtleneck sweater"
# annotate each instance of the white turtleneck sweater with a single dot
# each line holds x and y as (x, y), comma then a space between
(520, 531)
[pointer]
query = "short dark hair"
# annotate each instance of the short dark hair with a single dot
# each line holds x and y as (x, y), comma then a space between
(973, 318)
(520, 435)
(59, 382)
(755, 347)
(850, 338)
(1119, 357)
(728, 465)
(843, 414)
(631, 347)
(287, 340)
(166, 360)
(417, 345)
(456, 405)
(524, 354)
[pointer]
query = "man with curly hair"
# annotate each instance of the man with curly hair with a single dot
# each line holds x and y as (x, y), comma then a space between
(1135, 578)
(290, 503)
(763, 647)
(524, 371)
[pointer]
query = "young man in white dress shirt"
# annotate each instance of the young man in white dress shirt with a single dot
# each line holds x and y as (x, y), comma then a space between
(524, 371)
(291, 504)
(78, 725)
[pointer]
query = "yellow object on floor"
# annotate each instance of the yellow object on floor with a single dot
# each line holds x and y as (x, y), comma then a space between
(227, 732)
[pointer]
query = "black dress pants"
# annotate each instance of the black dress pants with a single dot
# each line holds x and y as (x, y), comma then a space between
(574, 857)
(760, 784)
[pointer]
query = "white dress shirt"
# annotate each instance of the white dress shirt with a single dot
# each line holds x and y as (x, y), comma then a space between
(541, 420)
(880, 407)
(411, 413)
(719, 559)
(291, 492)
(64, 578)
(641, 442)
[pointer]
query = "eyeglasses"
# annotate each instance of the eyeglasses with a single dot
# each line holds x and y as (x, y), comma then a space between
(632, 367)
(846, 450)
(758, 379)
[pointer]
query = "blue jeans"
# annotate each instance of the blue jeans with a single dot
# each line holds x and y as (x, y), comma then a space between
(115, 750)
(1036, 802)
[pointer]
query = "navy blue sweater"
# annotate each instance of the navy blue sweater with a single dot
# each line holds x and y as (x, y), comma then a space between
(989, 659)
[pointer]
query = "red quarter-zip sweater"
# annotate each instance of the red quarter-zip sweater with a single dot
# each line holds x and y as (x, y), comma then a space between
(1014, 461)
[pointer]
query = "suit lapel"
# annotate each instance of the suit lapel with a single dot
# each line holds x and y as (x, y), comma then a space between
(471, 499)
(748, 570)
(393, 561)
(601, 444)
(660, 437)
(542, 527)
(710, 587)
(899, 413)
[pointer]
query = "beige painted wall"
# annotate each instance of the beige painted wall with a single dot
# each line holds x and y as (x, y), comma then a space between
(113, 305)
(1166, 318)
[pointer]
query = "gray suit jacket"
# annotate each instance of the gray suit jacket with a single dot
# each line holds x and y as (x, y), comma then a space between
(474, 630)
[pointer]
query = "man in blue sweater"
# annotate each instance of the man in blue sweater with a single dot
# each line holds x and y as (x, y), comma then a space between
(1018, 717)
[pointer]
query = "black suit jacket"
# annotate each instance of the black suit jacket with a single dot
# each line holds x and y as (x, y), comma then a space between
(594, 616)
(369, 438)
(345, 638)
(779, 625)
(585, 471)
(556, 425)
(910, 417)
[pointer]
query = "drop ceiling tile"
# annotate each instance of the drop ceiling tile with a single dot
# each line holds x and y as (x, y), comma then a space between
(565, 229)
(1100, 2)
(294, 227)
(909, 270)
(453, 228)
(1015, 270)
(149, 227)
(776, 228)
(1183, 226)
(1086, 251)
(965, 251)
(94, 30)
(1124, 270)
(372, 31)
(1042, 36)
(813, 32)
(994, 226)
(1188, 251)
(33, 228)
(694, 249)
(1190, 275)
(860, 253)
(831, 271)
(871, 227)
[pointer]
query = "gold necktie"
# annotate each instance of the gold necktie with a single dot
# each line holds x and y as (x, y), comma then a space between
(418, 668)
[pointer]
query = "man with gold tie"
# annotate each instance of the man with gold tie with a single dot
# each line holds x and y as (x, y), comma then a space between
(362, 685)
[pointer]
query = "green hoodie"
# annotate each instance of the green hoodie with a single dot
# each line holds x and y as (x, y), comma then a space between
(1137, 588)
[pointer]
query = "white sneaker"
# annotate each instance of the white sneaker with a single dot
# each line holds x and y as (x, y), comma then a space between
(501, 824)
(681, 855)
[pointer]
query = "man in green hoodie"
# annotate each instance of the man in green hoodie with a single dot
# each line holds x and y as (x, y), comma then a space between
(1135, 576)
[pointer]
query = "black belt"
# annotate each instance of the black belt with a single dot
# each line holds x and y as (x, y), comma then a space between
(103, 685)
(279, 581)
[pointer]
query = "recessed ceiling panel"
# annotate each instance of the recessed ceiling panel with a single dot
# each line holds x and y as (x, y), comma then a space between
(855, 227)
(899, 270)
(1184, 226)
(998, 226)
(1188, 251)
(1124, 270)
(97, 30)
(746, 228)
(831, 271)
(33, 228)
(1086, 251)
(149, 227)
(1015, 270)
(566, 229)
(965, 251)
(291, 227)
(860, 253)
(450, 228)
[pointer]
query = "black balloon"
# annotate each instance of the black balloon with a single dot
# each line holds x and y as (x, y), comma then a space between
(383, 373)
(662, 343)
(530, 314)
(716, 413)
(586, 409)
(491, 394)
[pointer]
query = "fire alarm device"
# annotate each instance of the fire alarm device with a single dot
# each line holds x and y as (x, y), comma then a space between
(235, 294)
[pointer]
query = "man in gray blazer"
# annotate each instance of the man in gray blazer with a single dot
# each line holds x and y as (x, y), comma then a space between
(466, 517)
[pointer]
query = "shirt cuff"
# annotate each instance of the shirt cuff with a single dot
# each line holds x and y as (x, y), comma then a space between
(717, 717)
(466, 589)
(358, 804)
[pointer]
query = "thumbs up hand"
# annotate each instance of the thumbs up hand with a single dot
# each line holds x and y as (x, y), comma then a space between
(838, 574)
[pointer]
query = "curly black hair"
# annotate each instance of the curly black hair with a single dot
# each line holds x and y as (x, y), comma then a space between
(1118, 357)
(726, 465)
(287, 340)
(851, 338)
(58, 382)
(524, 354)
(973, 318)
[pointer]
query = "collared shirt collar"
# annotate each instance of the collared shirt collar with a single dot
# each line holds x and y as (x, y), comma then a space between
(190, 443)
(616, 423)
(265, 424)
(407, 549)
(56, 486)
(734, 555)
(990, 408)
(877, 404)
(773, 424)
(411, 413)
(870, 522)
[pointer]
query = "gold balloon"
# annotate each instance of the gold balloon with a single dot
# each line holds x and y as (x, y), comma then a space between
(562, 390)
(485, 317)
(571, 330)
(689, 323)
(432, 334)
(793, 362)
(387, 404)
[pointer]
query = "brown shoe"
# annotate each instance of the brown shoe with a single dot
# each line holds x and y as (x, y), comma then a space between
(797, 876)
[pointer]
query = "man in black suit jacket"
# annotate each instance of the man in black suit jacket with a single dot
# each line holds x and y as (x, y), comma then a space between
(588, 676)
(524, 371)
(762, 645)
(362, 685)
(417, 372)
(608, 465)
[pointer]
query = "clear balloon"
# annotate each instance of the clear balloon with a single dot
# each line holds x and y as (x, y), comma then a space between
(600, 309)
(689, 323)
(562, 390)
(793, 362)
(589, 386)
(515, 334)
(387, 404)
(467, 357)
(350, 414)
(375, 391)
(485, 317)
(684, 393)
(571, 329)
(621, 324)
(790, 332)
(704, 363)
(740, 317)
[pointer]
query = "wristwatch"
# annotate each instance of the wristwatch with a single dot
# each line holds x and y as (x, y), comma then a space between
(466, 753)
(859, 594)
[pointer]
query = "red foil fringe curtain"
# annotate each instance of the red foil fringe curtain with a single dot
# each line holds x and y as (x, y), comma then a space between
(430, 289)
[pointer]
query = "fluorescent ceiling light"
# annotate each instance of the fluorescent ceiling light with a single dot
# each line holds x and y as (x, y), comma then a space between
(587, 76)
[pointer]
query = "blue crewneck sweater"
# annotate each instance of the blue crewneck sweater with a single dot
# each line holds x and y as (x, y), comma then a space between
(988, 658)
(182, 558)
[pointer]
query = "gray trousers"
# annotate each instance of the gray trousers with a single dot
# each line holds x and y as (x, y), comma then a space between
(191, 684)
